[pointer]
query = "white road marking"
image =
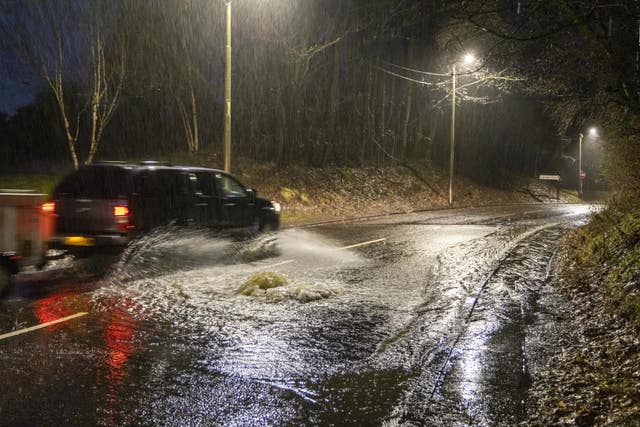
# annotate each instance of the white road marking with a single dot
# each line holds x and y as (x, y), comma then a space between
(370, 242)
(288, 261)
(42, 325)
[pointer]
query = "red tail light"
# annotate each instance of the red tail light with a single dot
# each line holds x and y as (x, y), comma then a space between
(120, 211)
(49, 207)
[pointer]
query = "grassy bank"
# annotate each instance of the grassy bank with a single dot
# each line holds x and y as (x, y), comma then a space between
(315, 194)
(607, 252)
(41, 183)
(592, 353)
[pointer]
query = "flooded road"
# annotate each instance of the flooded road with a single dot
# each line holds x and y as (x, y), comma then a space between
(417, 319)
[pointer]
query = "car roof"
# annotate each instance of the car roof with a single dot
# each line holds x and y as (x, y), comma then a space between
(151, 165)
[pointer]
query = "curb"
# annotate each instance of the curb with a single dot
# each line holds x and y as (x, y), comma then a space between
(367, 217)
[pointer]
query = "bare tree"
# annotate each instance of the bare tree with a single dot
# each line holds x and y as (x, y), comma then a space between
(105, 91)
(69, 53)
(53, 74)
(189, 117)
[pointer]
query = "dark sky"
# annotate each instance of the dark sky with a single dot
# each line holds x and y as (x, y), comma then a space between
(17, 88)
(18, 84)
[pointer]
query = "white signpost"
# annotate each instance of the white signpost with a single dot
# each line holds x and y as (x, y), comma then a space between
(557, 180)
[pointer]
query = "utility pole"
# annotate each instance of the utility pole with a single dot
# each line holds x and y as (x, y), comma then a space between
(227, 95)
(580, 166)
(453, 134)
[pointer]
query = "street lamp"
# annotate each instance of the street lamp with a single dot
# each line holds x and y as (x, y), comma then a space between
(227, 95)
(468, 59)
(593, 132)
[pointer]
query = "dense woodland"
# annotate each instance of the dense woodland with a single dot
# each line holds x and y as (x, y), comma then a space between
(322, 82)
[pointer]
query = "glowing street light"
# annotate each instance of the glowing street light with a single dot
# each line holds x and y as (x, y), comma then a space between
(593, 132)
(467, 59)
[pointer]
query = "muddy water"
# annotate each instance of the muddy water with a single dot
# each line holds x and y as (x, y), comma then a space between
(425, 327)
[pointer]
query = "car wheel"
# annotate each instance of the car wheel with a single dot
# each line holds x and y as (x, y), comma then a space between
(266, 227)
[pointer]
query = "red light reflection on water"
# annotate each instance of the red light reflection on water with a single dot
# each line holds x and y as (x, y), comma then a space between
(119, 336)
(56, 306)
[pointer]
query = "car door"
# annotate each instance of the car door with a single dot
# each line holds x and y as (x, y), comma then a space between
(236, 205)
(181, 196)
(207, 200)
(148, 201)
(163, 196)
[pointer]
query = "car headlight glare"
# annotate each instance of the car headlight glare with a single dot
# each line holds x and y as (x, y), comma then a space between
(276, 206)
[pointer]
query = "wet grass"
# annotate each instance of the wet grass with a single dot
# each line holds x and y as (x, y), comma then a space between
(607, 251)
(41, 183)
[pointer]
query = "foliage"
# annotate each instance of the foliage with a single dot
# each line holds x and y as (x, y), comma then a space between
(607, 250)
(41, 183)
(580, 59)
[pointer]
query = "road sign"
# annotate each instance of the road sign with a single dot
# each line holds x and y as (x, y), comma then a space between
(583, 175)
(550, 177)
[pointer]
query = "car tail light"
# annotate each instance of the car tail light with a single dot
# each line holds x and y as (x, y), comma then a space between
(122, 216)
(49, 207)
(120, 211)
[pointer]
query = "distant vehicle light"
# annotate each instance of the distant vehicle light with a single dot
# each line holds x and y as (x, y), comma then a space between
(49, 207)
(120, 211)
(276, 206)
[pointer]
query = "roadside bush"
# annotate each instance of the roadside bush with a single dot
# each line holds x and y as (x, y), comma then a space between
(621, 164)
(607, 250)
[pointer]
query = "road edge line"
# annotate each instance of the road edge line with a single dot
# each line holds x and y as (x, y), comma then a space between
(42, 325)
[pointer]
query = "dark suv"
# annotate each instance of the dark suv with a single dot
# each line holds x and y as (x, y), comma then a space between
(106, 204)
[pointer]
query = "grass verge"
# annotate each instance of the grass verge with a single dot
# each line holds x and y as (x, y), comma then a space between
(41, 183)
(607, 251)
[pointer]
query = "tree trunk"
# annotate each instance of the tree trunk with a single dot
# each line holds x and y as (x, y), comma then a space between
(194, 121)
(405, 125)
(333, 102)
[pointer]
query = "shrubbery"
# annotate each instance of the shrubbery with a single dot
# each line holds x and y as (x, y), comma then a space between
(607, 251)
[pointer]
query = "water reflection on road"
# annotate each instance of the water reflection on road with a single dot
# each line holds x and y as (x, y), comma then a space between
(426, 326)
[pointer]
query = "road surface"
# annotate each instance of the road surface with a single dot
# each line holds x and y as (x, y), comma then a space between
(416, 319)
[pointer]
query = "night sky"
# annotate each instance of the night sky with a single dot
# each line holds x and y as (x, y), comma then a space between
(18, 85)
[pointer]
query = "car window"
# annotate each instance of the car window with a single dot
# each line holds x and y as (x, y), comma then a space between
(147, 184)
(162, 183)
(229, 186)
(95, 183)
(206, 183)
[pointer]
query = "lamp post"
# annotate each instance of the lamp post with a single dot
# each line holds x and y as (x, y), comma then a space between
(580, 137)
(593, 132)
(468, 59)
(453, 133)
(227, 94)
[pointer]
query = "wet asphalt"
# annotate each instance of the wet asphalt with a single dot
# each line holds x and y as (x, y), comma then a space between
(414, 319)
